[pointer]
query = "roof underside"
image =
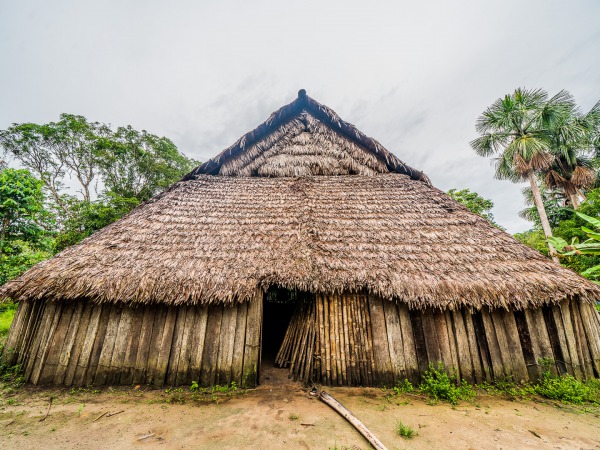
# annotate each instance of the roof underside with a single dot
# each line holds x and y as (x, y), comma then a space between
(215, 239)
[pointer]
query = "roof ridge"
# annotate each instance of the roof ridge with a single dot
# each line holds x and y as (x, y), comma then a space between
(324, 114)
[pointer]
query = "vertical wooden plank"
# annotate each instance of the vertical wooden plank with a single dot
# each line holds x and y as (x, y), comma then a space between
(539, 336)
(90, 373)
(239, 343)
(227, 339)
(29, 333)
(164, 352)
(567, 322)
(592, 333)
(503, 347)
(465, 364)
(498, 368)
(416, 320)
(343, 335)
(10, 353)
(408, 344)
(335, 370)
(381, 351)
(150, 313)
(452, 341)
(580, 338)
(441, 332)
(58, 339)
(88, 344)
(552, 328)
(211, 346)
(359, 337)
(55, 311)
(108, 346)
(394, 336)
(79, 341)
(329, 375)
(132, 343)
(183, 368)
(514, 347)
(250, 374)
(41, 334)
(122, 339)
(480, 355)
(198, 338)
(349, 339)
(69, 340)
(431, 342)
(563, 339)
(173, 359)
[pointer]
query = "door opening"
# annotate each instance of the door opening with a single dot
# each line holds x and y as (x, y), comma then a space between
(278, 307)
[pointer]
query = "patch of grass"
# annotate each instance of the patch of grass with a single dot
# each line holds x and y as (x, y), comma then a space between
(7, 313)
(567, 389)
(403, 387)
(405, 431)
(438, 384)
(11, 376)
(293, 416)
(597, 306)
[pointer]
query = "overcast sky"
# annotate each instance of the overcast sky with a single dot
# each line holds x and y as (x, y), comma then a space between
(414, 75)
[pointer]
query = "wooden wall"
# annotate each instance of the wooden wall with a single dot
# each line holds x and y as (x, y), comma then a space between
(347, 339)
(357, 339)
(80, 343)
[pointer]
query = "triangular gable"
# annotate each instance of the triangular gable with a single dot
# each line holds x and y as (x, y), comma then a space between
(305, 138)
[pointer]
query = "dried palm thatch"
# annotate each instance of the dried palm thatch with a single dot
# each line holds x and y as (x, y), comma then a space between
(304, 138)
(215, 239)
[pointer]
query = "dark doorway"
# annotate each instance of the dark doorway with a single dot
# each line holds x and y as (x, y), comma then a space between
(278, 307)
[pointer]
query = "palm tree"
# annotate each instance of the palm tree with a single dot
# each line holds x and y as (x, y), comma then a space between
(572, 139)
(517, 129)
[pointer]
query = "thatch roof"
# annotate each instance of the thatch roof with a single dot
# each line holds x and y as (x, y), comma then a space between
(214, 239)
(305, 201)
(305, 138)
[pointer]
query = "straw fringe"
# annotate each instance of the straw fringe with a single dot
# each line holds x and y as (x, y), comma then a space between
(216, 239)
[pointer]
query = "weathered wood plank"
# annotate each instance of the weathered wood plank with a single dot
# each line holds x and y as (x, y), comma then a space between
(41, 335)
(173, 361)
(465, 364)
(503, 347)
(66, 351)
(55, 311)
(156, 342)
(198, 339)
(88, 343)
(381, 351)
(434, 354)
(10, 353)
(211, 346)
(78, 344)
(164, 352)
(592, 333)
(441, 332)
(237, 366)
(394, 335)
(183, 367)
(477, 347)
(131, 345)
(227, 339)
(58, 340)
(98, 344)
(252, 350)
(514, 348)
(108, 346)
(563, 339)
(149, 316)
(538, 333)
(582, 344)
(567, 322)
(408, 344)
(498, 368)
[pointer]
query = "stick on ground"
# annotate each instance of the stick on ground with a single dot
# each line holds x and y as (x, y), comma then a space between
(47, 412)
(337, 406)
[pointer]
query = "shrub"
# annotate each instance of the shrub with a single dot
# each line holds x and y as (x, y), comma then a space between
(441, 385)
(564, 388)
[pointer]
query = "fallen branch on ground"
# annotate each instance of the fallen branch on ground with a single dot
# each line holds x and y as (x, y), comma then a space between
(337, 406)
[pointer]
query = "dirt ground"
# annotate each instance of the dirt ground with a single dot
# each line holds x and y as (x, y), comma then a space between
(282, 415)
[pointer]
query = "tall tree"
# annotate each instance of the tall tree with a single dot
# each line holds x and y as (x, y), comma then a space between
(572, 143)
(517, 129)
(475, 203)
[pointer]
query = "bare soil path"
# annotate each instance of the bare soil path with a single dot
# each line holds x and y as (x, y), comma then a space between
(282, 416)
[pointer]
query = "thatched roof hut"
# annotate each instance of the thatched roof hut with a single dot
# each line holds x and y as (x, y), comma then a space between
(310, 243)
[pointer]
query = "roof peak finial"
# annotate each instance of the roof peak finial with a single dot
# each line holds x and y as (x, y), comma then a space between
(302, 93)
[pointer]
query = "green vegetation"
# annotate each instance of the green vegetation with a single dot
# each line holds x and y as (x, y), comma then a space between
(475, 203)
(438, 384)
(7, 312)
(544, 140)
(114, 171)
(405, 431)
(293, 416)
